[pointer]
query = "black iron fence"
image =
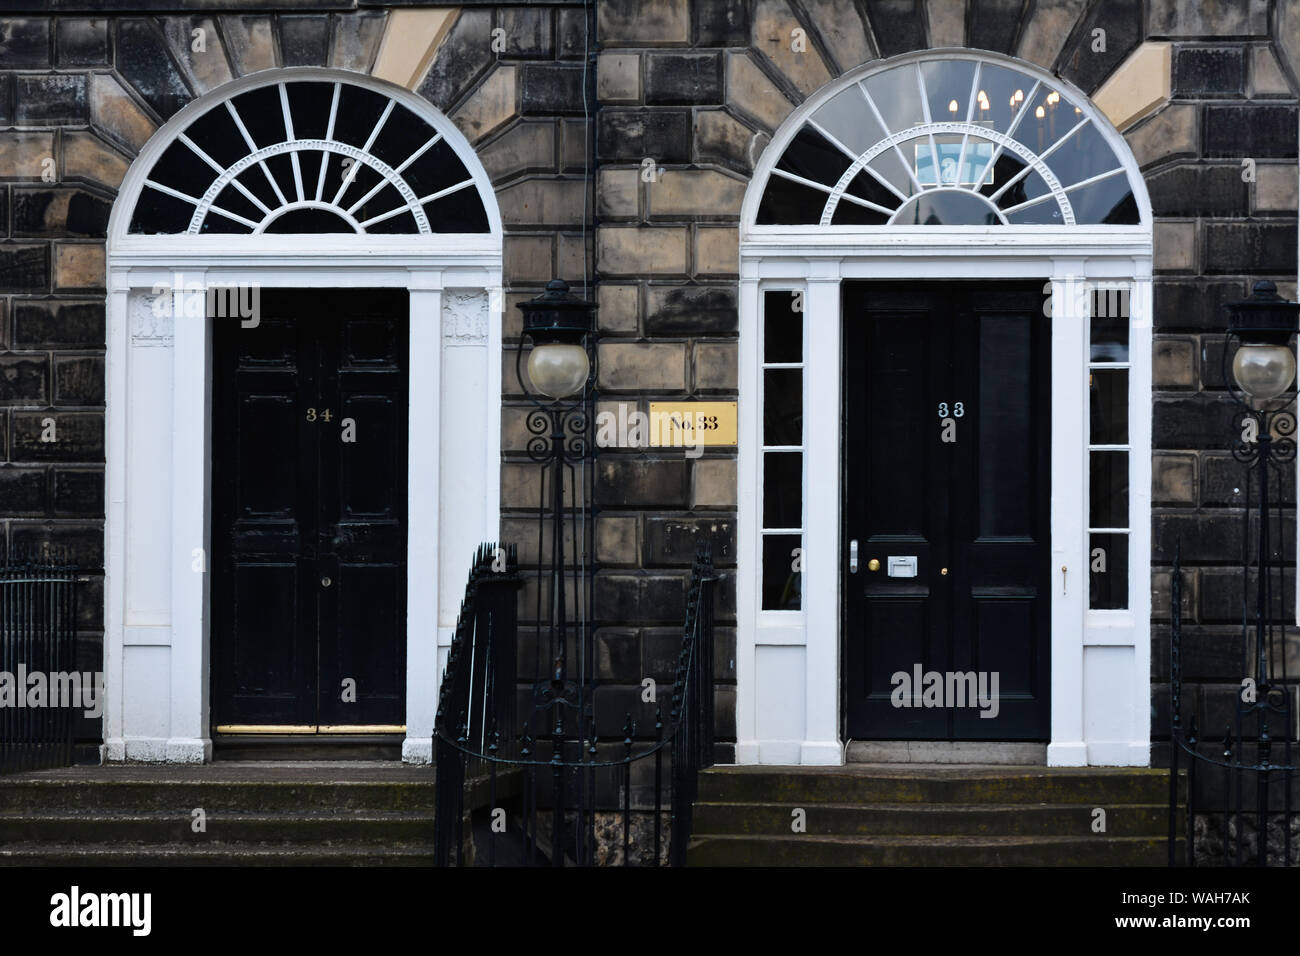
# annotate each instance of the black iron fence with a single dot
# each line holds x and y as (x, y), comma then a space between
(41, 690)
(561, 783)
(1239, 808)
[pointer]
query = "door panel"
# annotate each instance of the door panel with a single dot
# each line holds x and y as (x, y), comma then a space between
(309, 529)
(970, 362)
(363, 521)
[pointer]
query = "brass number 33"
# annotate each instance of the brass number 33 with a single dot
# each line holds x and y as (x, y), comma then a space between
(324, 416)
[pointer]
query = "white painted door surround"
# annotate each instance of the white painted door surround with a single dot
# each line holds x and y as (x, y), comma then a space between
(789, 661)
(159, 454)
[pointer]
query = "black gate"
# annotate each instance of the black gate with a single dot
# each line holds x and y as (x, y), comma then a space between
(41, 690)
(558, 785)
(1239, 801)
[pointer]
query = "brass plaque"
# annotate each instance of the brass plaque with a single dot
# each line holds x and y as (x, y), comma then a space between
(679, 424)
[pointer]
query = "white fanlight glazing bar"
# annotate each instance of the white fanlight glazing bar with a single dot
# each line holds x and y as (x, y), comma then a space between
(198, 151)
(1011, 132)
(830, 191)
(1095, 179)
(419, 203)
(201, 153)
(854, 156)
(420, 152)
(907, 167)
(383, 182)
(1068, 189)
(374, 134)
(329, 134)
(197, 202)
(252, 148)
(970, 117)
(293, 154)
(395, 211)
(1043, 155)
(925, 115)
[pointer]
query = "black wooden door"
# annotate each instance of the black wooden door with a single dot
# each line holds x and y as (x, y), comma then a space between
(309, 446)
(947, 469)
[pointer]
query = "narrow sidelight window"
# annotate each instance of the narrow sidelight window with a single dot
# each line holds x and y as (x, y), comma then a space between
(1109, 452)
(783, 449)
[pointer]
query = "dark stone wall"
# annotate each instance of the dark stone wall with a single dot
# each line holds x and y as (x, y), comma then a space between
(53, 215)
(699, 86)
(1219, 229)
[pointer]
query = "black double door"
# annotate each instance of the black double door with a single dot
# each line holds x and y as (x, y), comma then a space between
(947, 496)
(309, 487)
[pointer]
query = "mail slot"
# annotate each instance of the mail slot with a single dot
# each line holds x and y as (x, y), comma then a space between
(902, 566)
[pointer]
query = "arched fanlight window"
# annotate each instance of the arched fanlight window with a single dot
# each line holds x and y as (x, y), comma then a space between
(309, 156)
(950, 140)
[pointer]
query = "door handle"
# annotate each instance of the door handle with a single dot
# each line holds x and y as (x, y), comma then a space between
(853, 556)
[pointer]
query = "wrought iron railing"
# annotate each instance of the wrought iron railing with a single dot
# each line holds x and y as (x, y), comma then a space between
(578, 788)
(41, 690)
(1239, 808)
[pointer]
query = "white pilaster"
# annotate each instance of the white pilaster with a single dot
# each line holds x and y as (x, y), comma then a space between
(1068, 575)
(424, 494)
(821, 502)
(188, 739)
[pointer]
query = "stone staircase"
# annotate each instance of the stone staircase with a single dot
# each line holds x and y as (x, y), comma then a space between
(936, 815)
(256, 814)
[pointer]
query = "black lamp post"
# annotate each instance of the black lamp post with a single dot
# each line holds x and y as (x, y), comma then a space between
(562, 333)
(1263, 370)
(560, 328)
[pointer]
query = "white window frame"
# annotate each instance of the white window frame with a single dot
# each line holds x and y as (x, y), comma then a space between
(157, 640)
(789, 696)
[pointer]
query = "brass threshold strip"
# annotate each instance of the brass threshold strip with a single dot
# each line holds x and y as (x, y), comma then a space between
(285, 729)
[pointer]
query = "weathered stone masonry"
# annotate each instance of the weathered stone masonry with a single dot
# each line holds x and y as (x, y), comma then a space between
(696, 87)
(1195, 89)
(81, 92)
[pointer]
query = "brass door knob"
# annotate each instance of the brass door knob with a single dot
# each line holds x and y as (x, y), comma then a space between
(943, 571)
(873, 565)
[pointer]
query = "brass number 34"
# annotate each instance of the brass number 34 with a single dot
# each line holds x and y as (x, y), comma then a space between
(324, 416)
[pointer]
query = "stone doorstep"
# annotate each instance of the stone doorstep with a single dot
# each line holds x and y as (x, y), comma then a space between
(234, 771)
(972, 753)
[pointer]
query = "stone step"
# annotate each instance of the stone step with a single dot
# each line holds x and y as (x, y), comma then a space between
(875, 784)
(811, 850)
(229, 854)
(182, 796)
(831, 819)
(81, 829)
(274, 747)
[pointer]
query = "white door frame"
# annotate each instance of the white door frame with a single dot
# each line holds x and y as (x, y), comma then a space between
(788, 706)
(158, 439)
(1100, 684)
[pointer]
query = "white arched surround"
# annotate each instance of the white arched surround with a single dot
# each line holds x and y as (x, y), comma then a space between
(157, 642)
(789, 698)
